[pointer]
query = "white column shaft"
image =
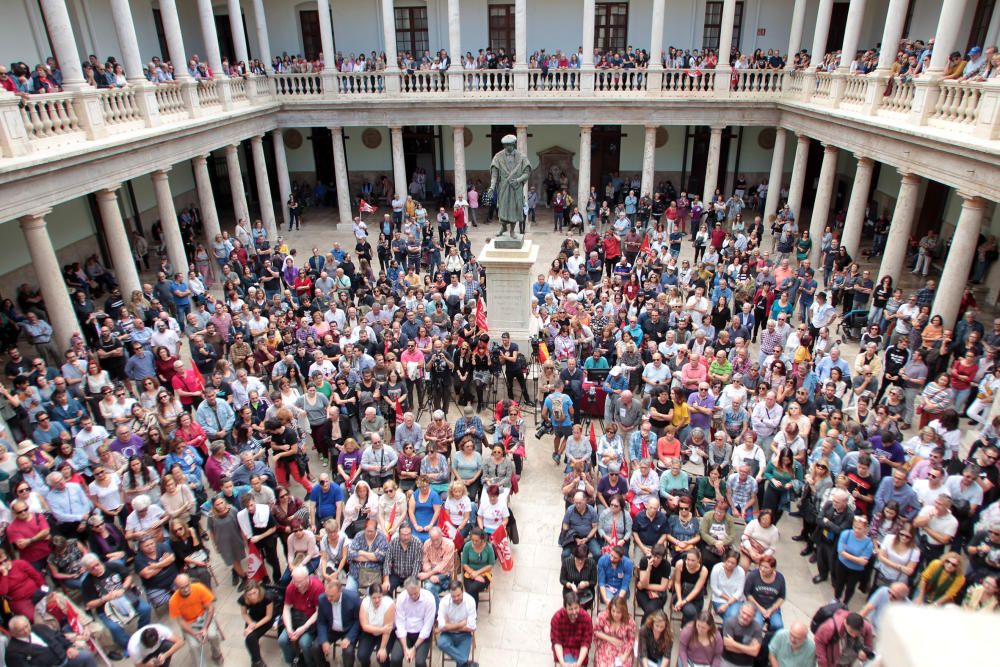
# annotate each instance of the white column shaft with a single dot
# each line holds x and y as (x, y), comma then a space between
(852, 33)
(64, 45)
(398, 161)
(521, 34)
(656, 35)
(168, 221)
(823, 15)
(455, 33)
(340, 176)
(281, 167)
(953, 13)
(899, 229)
(118, 245)
(587, 58)
(240, 209)
(777, 173)
(263, 186)
(46, 264)
(121, 13)
(522, 138)
(389, 37)
(206, 198)
(175, 40)
(795, 33)
(583, 185)
(263, 40)
(853, 223)
(895, 20)
(648, 161)
(458, 148)
(797, 185)
(211, 37)
(239, 35)
(712, 167)
(961, 255)
(326, 33)
(726, 32)
(824, 197)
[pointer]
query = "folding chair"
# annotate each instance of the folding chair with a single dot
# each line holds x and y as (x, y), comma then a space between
(444, 656)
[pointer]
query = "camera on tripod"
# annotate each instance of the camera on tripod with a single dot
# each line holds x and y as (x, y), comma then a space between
(533, 341)
(543, 429)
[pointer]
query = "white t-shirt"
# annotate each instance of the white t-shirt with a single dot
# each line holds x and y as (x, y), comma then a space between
(91, 440)
(109, 498)
(137, 651)
(457, 508)
(946, 524)
(493, 514)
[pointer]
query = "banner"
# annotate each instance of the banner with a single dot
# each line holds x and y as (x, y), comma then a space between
(450, 530)
(593, 437)
(481, 323)
(502, 548)
(255, 563)
(366, 207)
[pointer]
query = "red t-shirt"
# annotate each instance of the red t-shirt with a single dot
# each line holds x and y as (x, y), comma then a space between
(305, 602)
(18, 530)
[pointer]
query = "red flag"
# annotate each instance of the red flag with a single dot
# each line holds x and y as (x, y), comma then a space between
(502, 549)
(593, 437)
(399, 410)
(255, 564)
(450, 530)
(644, 248)
(197, 374)
(543, 351)
(366, 207)
(392, 519)
(481, 323)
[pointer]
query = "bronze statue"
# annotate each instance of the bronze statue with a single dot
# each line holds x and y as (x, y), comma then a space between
(509, 171)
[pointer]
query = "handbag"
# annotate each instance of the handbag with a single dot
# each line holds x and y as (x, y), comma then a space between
(368, 577)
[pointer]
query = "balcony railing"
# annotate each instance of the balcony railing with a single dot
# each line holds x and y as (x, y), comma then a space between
(54, 120)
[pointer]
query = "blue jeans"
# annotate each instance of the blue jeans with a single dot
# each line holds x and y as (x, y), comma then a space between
(444, 581)
(306, 642)
(777, 622)
(456, 645)
(593, 545)
(731, 611)
(117, 632)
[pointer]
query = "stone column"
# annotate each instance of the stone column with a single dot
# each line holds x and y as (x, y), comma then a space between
(648, 161)
(211, 37)
(118, 244)
(239, 35)
(797, 185)
(392, 83)
(853, 223)
(587, 40)
(281, 167)
(953, 13)
(852, 33)
(326, 33)
(795, 33)
(398, 161)
(127, 41)
(726, 34)
(583, 182)
(455, 33)
(46, 264)
(263, 40)
(520, 34)
(64, 46)
(957, 265)
(264, 185)
(168, 220)
(894, 21)
(656, 36)
(175, 40)
(712, 167)
(823, 15)
(777, 174)
(240, 208)
(824, 195)
(894, 256)
(522, 138)
(206, 198)
(340, 177)
(458, 148)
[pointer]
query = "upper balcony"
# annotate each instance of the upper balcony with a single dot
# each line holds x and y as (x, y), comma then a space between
(40, 128)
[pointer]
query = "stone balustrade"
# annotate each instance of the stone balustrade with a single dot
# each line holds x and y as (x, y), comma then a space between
(55, 120)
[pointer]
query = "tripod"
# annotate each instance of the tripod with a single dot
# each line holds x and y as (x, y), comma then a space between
(531, 375)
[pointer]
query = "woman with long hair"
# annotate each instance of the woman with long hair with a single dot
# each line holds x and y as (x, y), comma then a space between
(656, 640)
(700, 642)
(614, 635)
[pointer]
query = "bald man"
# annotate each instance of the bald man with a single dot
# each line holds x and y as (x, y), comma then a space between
(193, 607)
(792, 647)
(40, 646)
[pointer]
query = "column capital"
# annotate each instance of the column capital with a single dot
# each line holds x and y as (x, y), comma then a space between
(232, 148)
(908, 178)
(108, 193)
(160, 174)
(971, 201)
(396, 129)
(803, 138)
(717, 129)
(200, 160)
(460, 128)
(520, 127)
(586, 128)
(829, 148)
(864, 160)
(651, 126)
(336, 129)
(277, 132)
(257, 139)
(35, 219)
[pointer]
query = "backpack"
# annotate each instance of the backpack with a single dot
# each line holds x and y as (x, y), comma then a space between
(825, 613)
(558, 411)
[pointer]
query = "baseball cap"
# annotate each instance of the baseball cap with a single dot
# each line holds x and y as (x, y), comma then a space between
(975, 51)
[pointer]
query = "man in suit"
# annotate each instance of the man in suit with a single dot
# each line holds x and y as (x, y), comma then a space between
(338, 623)
(41, 646)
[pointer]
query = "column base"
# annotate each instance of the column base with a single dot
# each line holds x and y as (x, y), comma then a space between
(510, 272)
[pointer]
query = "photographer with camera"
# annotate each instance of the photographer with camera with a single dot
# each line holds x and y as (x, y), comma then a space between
(557, 415)
(514, 366)
(441, 369)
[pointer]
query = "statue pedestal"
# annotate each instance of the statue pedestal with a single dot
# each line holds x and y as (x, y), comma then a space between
(509, 277)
